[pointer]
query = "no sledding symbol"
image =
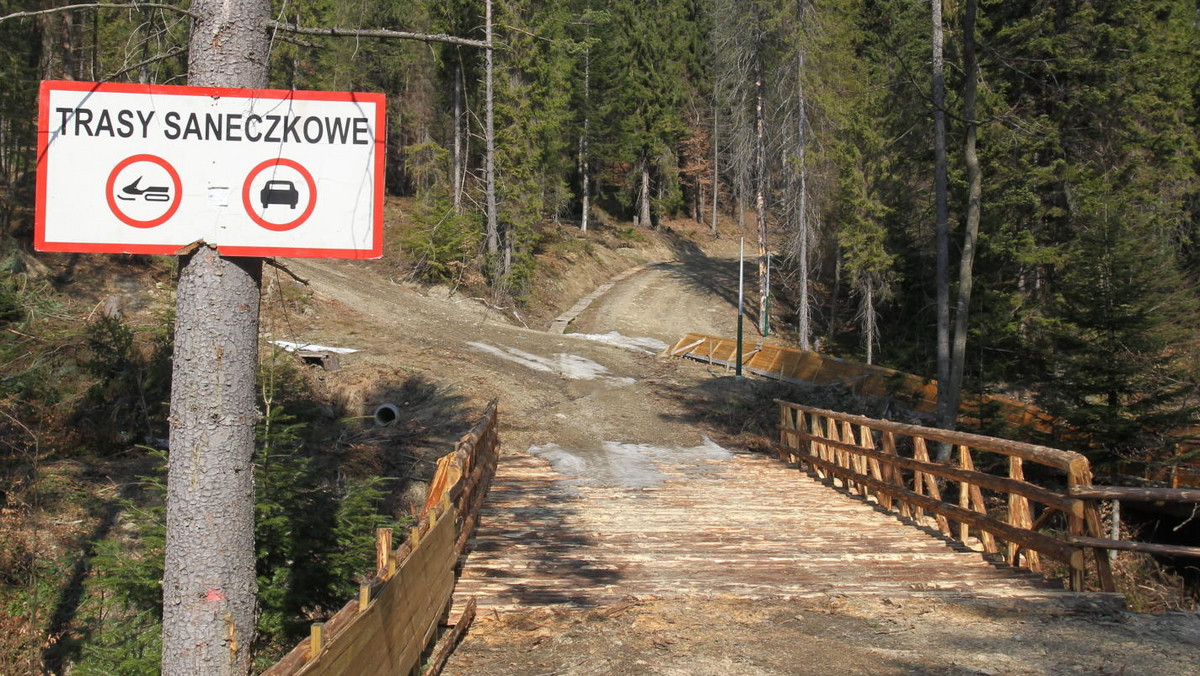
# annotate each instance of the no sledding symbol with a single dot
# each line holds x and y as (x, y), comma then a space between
(143, 191)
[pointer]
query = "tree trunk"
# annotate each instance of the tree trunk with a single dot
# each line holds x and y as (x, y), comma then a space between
(803, 312)
(869, 319)
(489, 137)
(833, 298)
(209, 586)
(760, 194)
(945, 416)
(974, 195)
(716, 174)
(584, 177)
(644, 194)
(459, 164)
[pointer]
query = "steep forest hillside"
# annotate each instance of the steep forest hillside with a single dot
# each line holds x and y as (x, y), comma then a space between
(1053, 143)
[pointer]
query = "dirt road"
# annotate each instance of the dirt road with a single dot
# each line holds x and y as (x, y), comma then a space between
(582, 396)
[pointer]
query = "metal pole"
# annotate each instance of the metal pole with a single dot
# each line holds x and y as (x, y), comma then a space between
(741, 296)
(767, 301)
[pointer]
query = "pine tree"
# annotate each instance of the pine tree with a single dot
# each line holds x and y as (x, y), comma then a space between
(1119, 336)
(641, 81)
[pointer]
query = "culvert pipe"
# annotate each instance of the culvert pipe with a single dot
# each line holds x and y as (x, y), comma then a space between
(386, 414)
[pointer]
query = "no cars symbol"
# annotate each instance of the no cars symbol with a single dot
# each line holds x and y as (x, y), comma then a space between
(279, 194)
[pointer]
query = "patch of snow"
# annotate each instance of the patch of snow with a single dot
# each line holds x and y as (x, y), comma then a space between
(647, 345)
(620, 464)
(569, 366)
(312, 347)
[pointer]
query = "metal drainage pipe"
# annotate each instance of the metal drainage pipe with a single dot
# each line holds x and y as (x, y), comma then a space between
(386, 414)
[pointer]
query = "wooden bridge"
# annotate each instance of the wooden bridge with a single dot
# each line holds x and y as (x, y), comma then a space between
(746, 526)
(870, 514)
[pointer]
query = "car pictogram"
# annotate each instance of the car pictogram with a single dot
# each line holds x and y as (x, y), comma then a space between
(279, 192)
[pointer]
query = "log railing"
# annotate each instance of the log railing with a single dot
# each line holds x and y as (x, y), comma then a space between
(890, 462)
(387, 628)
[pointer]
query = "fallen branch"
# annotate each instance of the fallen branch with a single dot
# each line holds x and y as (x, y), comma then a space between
(338, 32)
(280, 266)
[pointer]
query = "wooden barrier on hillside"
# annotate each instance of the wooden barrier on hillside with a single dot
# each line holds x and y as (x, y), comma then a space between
(387, 628)
(810, 368)
(890, 463)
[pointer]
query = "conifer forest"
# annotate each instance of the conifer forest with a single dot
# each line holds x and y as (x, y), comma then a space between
(1002, 195)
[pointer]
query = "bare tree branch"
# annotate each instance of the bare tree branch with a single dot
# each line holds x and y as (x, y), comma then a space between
(99, 5)
(334, 31)
(146, 62)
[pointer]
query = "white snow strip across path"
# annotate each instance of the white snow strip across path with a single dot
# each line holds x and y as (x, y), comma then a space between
(570, 366)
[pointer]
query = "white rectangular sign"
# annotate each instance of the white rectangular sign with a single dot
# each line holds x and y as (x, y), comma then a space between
(126, 168)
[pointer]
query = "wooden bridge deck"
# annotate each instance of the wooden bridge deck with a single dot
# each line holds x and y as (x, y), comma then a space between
(744, 526)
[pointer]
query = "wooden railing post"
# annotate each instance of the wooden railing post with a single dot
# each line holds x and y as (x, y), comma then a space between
(316, 640)
(1078, 475)
(1020, 516)
(1080, 478)
(894, 474)
(383, 551)
(921, 452)
(867, 441)
(974, 497)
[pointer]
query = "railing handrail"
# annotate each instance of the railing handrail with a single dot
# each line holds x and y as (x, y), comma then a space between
(1066, 461)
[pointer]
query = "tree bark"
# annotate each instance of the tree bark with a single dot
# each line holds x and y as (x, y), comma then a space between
(584, 176)
(945, 416)
(760, 192)
(644, 194)
(459, 164)
(716, 174)
(489, 137)
(209, 586)
(803, 312)
(974, 198)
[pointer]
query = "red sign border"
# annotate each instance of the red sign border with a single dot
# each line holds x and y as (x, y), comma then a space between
(43, 140)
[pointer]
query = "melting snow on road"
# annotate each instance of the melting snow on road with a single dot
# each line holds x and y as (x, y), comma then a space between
(569, 366)
(629, 465)
(647, 345)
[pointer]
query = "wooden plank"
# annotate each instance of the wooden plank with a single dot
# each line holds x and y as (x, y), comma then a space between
(401, 615)
(687, 348)
(1051, 457)
(460, 629)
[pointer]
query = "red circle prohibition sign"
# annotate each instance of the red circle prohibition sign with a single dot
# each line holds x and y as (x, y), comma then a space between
(116, 208)
(249, 205)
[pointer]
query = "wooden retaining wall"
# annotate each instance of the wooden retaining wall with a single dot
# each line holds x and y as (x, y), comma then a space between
(810, 368)
(387, 628)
